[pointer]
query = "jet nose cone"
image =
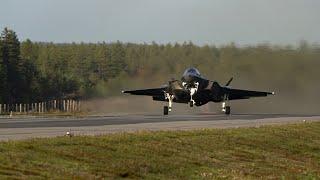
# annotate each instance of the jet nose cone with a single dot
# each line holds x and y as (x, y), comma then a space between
(187, 78)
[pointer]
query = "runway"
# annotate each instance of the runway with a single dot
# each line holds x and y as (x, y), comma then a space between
(29, 127)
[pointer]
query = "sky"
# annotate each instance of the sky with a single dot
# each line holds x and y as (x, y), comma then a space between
(213, 22)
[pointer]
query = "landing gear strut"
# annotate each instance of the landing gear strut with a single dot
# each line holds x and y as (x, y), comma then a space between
(226, 108)
(193, 90)
(167, 109)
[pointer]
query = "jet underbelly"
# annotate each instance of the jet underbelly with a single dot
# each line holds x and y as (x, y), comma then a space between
(202, 97)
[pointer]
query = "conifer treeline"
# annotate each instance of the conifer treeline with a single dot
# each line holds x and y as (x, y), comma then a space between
(36, 71)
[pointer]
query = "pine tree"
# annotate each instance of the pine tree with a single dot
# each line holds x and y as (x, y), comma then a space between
(117, 60)
(11, 61)
(29, 71)
(3, 76)
(101, 56)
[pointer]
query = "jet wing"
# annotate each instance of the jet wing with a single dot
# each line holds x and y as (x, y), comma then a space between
(244, 94)
(147, 92)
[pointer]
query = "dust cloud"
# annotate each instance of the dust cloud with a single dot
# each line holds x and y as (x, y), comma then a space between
(126, 104)
(286, 101)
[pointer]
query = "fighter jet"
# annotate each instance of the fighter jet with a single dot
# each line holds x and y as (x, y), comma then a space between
(195, 90)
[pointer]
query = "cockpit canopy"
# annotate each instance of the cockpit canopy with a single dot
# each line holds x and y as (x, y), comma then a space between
(193, 71)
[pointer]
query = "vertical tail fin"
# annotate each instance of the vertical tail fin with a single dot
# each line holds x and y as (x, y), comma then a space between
(228, 83)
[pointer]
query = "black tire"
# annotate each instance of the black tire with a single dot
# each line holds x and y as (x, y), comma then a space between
(228, 110)
(191, 104)
(165, 110)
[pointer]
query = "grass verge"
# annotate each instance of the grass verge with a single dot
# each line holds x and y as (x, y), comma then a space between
(286, 151)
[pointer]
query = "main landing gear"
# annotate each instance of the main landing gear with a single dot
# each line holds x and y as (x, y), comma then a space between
(226, 109)
(225, 106)
(167, 109)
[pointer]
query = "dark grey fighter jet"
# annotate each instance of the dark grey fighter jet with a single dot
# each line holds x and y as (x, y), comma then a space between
(194, 89)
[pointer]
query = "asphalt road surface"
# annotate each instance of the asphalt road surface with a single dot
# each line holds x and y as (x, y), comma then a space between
(29, 127)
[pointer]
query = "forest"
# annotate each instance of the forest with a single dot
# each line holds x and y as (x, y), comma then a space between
(39, 71)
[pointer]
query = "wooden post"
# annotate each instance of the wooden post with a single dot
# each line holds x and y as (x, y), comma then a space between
(20, 108)
(68, 105)
(64, 105)
(0, 108)
(73, 105)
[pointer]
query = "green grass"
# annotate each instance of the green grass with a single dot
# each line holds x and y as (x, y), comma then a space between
(287, 151)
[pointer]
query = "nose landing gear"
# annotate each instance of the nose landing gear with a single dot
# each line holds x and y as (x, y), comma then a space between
(193, 90)
(191, 103)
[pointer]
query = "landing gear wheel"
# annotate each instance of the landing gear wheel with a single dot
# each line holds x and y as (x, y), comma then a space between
(165, 110)
(191, 104)
(228, 110)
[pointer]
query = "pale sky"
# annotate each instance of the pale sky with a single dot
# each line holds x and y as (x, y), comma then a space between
(200, 21)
